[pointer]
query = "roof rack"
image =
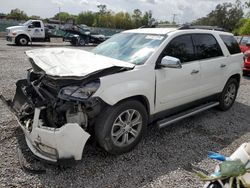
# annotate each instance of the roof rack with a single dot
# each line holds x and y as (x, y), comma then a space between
(201, 27)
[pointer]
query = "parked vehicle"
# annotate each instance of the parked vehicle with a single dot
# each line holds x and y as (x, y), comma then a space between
(245, 48)
(36, 31)
(139, 76)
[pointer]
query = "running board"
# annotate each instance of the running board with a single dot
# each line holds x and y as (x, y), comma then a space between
(185, 114)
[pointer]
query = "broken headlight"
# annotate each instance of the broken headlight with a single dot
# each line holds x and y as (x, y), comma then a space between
(79, 92)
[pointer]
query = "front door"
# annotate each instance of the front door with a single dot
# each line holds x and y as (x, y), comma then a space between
(177, 86)
(35, 30)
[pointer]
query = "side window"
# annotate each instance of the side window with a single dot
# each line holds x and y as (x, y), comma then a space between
(36, 24)
(181, 47)
(231, 43)
(206, 46)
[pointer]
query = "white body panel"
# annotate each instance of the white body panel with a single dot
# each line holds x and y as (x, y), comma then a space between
(162, 88)
(177, 86)
(71, 62)
(15, 31)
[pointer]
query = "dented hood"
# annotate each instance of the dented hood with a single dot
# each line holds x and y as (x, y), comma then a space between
(72, 62)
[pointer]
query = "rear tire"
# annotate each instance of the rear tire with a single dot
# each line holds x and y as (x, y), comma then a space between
(81, 42)
(228, 95)
(120, 127)
(245, 73)
(22, 40)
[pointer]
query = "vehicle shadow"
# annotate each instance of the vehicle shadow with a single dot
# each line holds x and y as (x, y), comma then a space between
(161, 152)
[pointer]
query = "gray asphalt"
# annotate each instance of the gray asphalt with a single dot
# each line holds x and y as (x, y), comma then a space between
(162, 159)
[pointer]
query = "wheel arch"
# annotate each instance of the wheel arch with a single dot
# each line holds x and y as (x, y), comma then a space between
(141, 98)
(235, 76)
(22, 34)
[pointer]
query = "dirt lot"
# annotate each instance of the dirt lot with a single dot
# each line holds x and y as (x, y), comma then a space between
(162, 159)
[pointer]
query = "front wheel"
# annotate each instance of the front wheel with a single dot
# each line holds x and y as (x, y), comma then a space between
(228, 94)
(120, 128)
(22, 40)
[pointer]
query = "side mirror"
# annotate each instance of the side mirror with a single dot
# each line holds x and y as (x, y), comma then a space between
(248, 44)
(171, 62)
(31, 26)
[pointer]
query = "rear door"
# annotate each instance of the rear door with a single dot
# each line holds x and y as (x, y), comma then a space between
(212, 62)
(177, 86)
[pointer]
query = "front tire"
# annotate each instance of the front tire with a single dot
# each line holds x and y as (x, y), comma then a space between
(228, 95)
(120, 127)
(22, 40)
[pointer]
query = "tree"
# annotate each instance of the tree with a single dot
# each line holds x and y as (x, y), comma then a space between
(17, 14)
(62, 16)
(121, 20)
(86, 18)
(225, 15)
(2, 15)
(102, 9)
(137, 18)
(147, 18)
(244, 27)
(34, 17)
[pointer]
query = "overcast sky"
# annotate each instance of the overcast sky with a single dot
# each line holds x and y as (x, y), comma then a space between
(186, 10)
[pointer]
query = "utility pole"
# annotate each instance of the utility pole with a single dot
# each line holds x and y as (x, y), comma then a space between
(59, 15)
(174, 16)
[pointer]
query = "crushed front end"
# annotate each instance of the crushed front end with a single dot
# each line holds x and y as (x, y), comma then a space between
(54, 114)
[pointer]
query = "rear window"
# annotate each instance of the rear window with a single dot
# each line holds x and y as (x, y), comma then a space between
(231, 43)
(206, 46)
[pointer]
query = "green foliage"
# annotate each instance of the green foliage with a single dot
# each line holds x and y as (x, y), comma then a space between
(63, 16)
(245, 28)
(103, 18)
(121, 20)
(86, 18)
(226, 15)
(34, 17)
(17, 14)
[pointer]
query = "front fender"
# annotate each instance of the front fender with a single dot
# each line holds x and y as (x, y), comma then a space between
(21, 32)
(116, 87)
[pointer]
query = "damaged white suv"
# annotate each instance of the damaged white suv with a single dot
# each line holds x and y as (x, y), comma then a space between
(140, 76)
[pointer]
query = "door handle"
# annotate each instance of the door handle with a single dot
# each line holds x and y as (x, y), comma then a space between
(195, 71)
(223, 65)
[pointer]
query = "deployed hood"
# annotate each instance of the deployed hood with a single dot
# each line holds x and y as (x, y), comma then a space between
(72, 62)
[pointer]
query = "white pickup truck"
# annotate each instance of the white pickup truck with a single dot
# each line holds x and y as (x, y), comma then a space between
(159, 75)
(30, 31)
(36, 31)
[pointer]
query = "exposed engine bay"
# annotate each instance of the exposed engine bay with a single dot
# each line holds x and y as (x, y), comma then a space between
(55, 105)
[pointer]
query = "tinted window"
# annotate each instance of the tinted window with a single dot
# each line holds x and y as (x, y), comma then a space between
(206, 46)
(36, 24)
(181, 47)
(232, 45)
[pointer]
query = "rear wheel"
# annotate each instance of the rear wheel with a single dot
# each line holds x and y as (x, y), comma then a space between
(120, 128)
(245, 73)
(22, 40)
(81, 42)
(228, 94)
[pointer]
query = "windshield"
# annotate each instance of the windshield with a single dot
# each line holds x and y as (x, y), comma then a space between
(134, 48)
(26, 23)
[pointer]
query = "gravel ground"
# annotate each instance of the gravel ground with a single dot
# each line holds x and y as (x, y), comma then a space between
(162, 159)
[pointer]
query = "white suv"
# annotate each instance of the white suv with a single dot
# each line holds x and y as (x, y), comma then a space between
(139, 76)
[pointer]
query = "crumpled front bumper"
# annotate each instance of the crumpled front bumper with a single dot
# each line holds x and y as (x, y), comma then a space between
(53, 144)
